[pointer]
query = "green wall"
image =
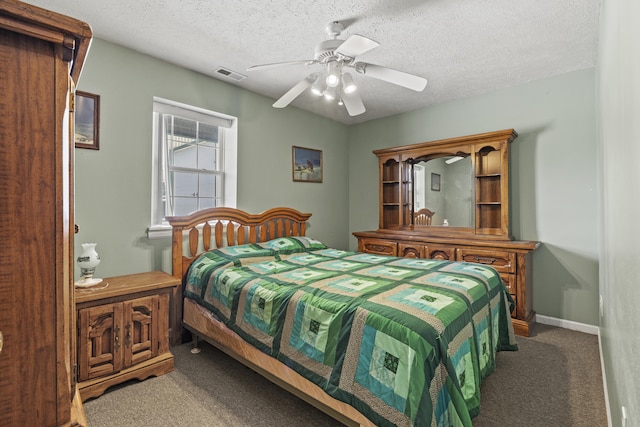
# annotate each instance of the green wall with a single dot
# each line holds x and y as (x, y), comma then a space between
(619, 152)
(113, 184)
(553, 166)
(553, 178)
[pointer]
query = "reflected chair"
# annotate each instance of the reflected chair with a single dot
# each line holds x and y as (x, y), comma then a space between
(423, 217)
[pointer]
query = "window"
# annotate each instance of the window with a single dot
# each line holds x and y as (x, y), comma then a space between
(194, 162)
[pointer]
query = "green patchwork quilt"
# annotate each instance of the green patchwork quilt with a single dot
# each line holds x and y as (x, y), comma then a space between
(405, 341)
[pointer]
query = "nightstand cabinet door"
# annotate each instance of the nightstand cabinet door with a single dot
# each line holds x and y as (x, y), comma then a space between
(100, 343)
(123, 330)
(141, 328)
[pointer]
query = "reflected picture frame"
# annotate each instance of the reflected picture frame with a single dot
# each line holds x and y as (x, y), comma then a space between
(435, 181)
(306, 164)
(87, 120)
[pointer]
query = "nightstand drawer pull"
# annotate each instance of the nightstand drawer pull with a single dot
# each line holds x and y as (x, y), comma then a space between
(127, 338)
(484, 259)
(117, 338)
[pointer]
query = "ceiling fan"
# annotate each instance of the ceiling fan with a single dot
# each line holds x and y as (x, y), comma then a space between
(337, 56)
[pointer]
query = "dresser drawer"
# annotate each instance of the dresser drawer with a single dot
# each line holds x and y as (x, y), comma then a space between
(447, 253)
(502, 261)
(409, 250)
(511, 284)
(378, 247)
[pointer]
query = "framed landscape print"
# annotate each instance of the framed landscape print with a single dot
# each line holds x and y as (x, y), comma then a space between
(307, 164)
(87, 120)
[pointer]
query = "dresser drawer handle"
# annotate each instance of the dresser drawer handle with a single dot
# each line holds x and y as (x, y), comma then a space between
(379, 248)
(484, 259)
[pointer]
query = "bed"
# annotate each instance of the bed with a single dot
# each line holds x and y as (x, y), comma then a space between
(369, 339)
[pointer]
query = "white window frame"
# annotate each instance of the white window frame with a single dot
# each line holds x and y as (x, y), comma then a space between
(228, 125)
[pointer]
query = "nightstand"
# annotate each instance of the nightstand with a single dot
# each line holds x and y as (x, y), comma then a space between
(123, 330)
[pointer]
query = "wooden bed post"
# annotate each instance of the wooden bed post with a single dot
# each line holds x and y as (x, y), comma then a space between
(175, 337)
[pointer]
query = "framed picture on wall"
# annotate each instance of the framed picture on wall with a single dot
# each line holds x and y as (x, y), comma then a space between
(435, 181)
(307, 164)
(87, 120)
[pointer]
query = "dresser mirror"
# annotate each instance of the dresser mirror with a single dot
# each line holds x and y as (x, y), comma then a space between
(444, 186)
(462, 182)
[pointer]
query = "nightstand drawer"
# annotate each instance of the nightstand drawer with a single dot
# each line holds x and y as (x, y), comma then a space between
(510, 283)
(502, 261)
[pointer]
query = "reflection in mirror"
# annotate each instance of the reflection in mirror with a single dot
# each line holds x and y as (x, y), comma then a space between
(445, 186)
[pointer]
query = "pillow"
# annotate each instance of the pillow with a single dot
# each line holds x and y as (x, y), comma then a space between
(292, 244)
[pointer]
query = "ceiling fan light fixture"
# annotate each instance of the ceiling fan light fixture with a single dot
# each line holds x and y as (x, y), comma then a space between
(330, 94)
(348, 85)
(317, 88)
(333, 74)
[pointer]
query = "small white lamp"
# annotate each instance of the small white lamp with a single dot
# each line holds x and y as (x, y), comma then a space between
(88, 260)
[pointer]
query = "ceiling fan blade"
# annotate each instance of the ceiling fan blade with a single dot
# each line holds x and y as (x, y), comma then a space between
(295, 91)
(356, 45)
(280, 64)
(390, 75)
(353, 103)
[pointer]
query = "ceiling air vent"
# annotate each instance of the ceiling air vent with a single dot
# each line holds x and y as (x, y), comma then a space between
(230, 74)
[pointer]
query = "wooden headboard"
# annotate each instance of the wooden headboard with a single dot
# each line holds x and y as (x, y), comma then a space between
(217, 227)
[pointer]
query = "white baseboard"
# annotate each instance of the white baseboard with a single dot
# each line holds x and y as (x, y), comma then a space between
(604, 382)
(568, 324)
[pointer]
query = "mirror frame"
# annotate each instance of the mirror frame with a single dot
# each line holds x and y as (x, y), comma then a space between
(489, 154)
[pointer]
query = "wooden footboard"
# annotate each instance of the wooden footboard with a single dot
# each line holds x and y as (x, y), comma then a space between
(200, 322)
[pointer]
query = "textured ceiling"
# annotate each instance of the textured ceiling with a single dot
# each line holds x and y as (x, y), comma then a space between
(463, 47)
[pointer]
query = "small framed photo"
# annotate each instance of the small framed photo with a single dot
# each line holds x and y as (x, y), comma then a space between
(87, 120)
(435, 181)
(307, 164)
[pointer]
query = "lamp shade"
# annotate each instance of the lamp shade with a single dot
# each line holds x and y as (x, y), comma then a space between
(317, 88)
(333, 75)
(330, 94)
(348, 85)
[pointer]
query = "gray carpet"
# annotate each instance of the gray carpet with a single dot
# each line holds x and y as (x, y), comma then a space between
(553, 380)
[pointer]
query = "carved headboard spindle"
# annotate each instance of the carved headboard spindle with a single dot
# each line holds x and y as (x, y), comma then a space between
(240, 235)
(194, 235)
(206, 236)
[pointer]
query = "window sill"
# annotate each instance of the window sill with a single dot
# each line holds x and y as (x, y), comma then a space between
(159, 231)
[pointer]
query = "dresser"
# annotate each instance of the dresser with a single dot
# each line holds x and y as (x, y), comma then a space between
(41, 56)
(123, 330)
(512, 259)
(463, 183)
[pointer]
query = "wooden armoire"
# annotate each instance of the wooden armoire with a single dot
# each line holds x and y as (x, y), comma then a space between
(41, 55)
